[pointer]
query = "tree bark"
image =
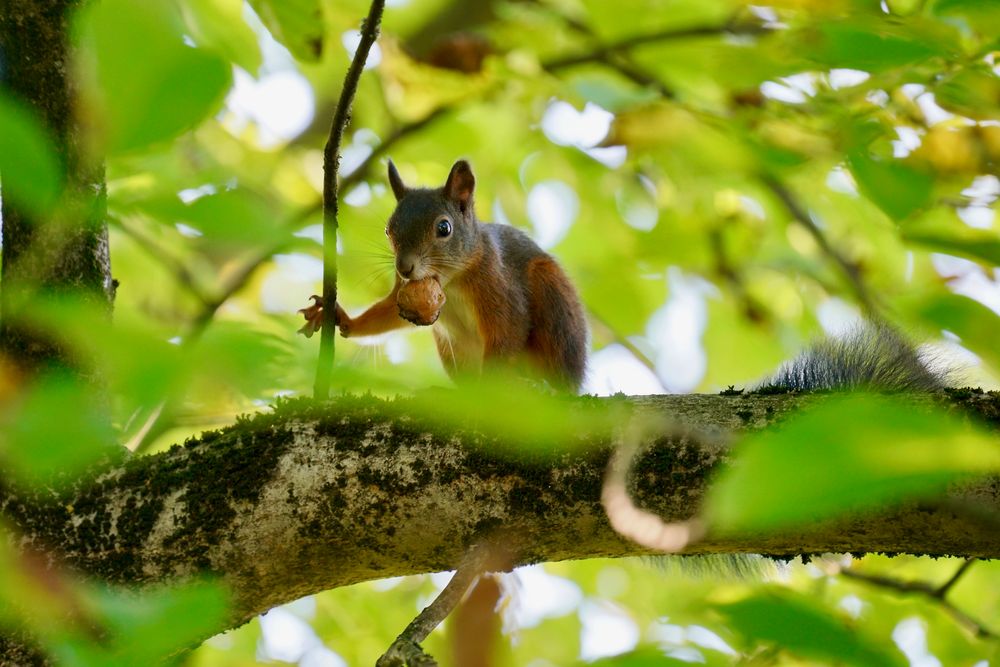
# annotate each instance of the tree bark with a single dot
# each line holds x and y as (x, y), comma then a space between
(67, 254)
(315, 496)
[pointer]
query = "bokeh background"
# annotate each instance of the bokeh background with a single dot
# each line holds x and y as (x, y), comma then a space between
(723, 181)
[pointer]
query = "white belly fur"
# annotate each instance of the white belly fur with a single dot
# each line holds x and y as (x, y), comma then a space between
(457, 333)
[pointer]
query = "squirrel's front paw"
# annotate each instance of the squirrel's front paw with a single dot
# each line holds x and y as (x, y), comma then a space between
(313, 315)
(314, 318)
(343, 322)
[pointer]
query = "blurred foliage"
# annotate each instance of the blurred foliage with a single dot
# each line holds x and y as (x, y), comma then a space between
(662, 133)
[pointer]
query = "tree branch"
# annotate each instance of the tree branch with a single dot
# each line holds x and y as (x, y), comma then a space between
(331, 165)
(849, 269)
(923, 588)
(605, 52)
(321, 495)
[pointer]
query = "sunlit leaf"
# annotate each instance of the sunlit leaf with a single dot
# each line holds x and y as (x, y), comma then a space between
(980, 15)
(649, 657)
(58, 427)
(799, 625)
(146, 629)
(227, 220)
(964, 242)
(974, 324)
(869, 48)
(219, 25)
(168, 90)
(896, 188)
(30, 172)
(298, 24)
(842, 456)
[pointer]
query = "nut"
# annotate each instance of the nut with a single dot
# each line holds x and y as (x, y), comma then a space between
(420, 301)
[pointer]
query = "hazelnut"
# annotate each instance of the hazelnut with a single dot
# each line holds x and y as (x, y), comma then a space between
(420, 301)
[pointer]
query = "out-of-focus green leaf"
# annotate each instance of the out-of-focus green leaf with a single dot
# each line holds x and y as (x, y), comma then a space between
(219, 25)
(978, 245)
(298, 24)
(149, 98)
(650, 657)
(800, 626)
(146, 629)
(545, 423)
(235, 218)
(57, 428)
(975, 324)
(894, 187)
(847, 454)
(980, 15)
(871, 48)
(241, 358)
(972, 92)
(30, 172)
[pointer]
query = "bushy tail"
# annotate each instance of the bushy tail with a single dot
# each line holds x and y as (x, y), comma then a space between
(871, 356)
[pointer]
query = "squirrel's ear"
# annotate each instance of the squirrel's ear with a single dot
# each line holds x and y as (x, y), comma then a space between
(398, 188)
(460, 184)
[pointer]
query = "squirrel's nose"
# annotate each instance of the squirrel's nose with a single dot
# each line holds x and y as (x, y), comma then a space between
(406, 265)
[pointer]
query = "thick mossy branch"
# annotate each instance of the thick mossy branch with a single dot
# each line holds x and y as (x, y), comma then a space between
(313, 496)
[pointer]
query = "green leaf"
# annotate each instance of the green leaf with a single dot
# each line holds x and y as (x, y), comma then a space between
(797, 624)
(298, 24)
(981, 15)
(648, 657)
(219, 25)
(972, 92)
(144, 629)
(57, 428)
(169, 89)
(872, 48)
(976, 325)
(30, 172)
(231, 219)
(897, 189)
(982, 246)
(845, 455)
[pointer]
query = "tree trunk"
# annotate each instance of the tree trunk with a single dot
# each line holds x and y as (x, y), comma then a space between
(66, 255)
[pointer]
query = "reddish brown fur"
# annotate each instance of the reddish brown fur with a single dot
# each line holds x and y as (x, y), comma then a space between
(509, 304)
(382, 316)
(556, 315)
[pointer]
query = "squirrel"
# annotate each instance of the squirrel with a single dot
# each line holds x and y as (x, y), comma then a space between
(508, 303)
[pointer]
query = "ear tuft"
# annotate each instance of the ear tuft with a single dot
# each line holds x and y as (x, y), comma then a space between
(398, 187)
(460, 185)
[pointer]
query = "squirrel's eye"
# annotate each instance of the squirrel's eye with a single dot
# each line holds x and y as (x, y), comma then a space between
(443, 227)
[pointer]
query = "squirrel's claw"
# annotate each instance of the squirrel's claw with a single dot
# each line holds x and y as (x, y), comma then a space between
(313, 315)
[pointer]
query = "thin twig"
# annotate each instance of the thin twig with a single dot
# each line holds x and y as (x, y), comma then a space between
(616, 60)
(941, 591)
(800, 215)
(174, 265)
(161, 418)
(753, 310)
(604, 51)
(405, 650)
(363, 169)
(619, 339)
(331, 165)
(936, 593)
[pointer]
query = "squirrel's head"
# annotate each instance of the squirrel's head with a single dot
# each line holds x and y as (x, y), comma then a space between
(433, 231)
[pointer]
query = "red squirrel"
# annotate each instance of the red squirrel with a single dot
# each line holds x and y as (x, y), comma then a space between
(508, 303)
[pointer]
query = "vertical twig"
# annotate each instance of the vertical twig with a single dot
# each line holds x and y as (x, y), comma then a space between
(331, 165)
